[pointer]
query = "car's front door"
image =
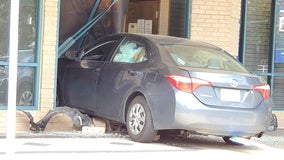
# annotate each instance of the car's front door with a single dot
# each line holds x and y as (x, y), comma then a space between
(81, 76)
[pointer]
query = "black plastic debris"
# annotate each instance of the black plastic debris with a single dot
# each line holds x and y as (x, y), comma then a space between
(79, 119)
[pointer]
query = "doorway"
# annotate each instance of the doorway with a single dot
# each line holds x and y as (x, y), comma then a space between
(143, 14)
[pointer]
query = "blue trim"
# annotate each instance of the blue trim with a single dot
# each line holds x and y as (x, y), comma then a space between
(243, 32)
(20, 64)
(28, 65)
(274, 7)
(38, 52)
(278, 108)
(188, 18)
(2, 63)
(91, 16)
(56, 55)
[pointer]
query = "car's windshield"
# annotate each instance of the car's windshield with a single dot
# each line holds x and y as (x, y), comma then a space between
(198, 57)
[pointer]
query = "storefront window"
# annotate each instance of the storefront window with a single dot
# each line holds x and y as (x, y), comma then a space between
(278, 94)
(279, 53)
(27, 53)
(257, 35)
(177, 17)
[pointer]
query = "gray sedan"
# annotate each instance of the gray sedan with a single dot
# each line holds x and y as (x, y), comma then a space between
(153, 82)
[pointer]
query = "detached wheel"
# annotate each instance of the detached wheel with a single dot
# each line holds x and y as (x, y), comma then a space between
(139, 121)
(25, 95)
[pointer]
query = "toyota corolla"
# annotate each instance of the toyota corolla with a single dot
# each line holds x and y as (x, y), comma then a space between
(153, 82)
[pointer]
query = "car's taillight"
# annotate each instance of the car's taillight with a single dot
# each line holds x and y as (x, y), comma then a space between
(264, 89)
(186, 84)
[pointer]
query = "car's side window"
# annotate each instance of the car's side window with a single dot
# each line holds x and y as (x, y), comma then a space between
(100, 51)
(130, 52)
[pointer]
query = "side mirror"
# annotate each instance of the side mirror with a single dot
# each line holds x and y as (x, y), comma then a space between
(72, 54)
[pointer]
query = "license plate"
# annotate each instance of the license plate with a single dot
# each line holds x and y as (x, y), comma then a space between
(230, 95)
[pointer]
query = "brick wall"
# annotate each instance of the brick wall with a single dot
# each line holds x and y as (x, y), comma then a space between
(60, 121)
(217, 22)
(48, 55)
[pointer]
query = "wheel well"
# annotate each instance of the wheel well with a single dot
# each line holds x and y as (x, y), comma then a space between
(130, 98)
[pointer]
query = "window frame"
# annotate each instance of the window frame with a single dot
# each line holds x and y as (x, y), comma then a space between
(35, 64)
(89, 53)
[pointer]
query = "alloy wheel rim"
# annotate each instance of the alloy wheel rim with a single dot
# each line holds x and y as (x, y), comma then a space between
(137, 119)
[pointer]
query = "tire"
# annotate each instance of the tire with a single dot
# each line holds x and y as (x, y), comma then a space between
(139, 121)
(25, 95)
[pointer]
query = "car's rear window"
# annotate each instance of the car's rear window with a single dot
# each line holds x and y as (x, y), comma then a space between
(198, 57)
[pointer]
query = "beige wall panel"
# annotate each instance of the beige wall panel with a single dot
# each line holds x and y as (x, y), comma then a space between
(217, 22)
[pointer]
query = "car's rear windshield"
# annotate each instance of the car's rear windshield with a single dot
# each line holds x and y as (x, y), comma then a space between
(198, 57)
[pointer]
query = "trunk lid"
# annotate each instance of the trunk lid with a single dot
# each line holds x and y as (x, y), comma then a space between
(227, 89)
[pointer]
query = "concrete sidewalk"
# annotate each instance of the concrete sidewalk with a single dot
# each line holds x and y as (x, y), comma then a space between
(80, 134)
(77, 148)
(75, 145)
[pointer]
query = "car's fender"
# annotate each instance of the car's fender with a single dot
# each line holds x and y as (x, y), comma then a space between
(162, 113)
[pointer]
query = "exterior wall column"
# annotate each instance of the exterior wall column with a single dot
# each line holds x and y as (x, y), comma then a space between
(48, 68)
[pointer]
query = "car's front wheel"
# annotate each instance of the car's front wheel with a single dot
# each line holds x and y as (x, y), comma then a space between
(139, 121)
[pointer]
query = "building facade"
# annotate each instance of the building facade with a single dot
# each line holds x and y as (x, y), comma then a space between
(251, 30)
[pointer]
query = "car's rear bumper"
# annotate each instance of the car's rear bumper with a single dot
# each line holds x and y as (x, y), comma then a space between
(190, 114)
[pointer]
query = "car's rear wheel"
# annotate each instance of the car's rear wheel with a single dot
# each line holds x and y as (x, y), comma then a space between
(139, 121)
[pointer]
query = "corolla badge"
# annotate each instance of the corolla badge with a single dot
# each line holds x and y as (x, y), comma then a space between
(234, 83)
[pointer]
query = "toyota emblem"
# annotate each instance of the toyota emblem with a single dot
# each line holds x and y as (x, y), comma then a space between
(234, 83)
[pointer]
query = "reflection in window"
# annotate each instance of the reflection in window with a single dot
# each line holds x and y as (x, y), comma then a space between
(26, 54)
(27, 26)
(25, 87)
(4, 29)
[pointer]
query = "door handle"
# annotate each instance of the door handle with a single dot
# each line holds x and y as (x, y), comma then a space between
(133, 73)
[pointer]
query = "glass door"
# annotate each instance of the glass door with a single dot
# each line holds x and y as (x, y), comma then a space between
(278, 76)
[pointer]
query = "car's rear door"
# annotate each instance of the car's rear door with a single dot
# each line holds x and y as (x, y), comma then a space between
(119, 76)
